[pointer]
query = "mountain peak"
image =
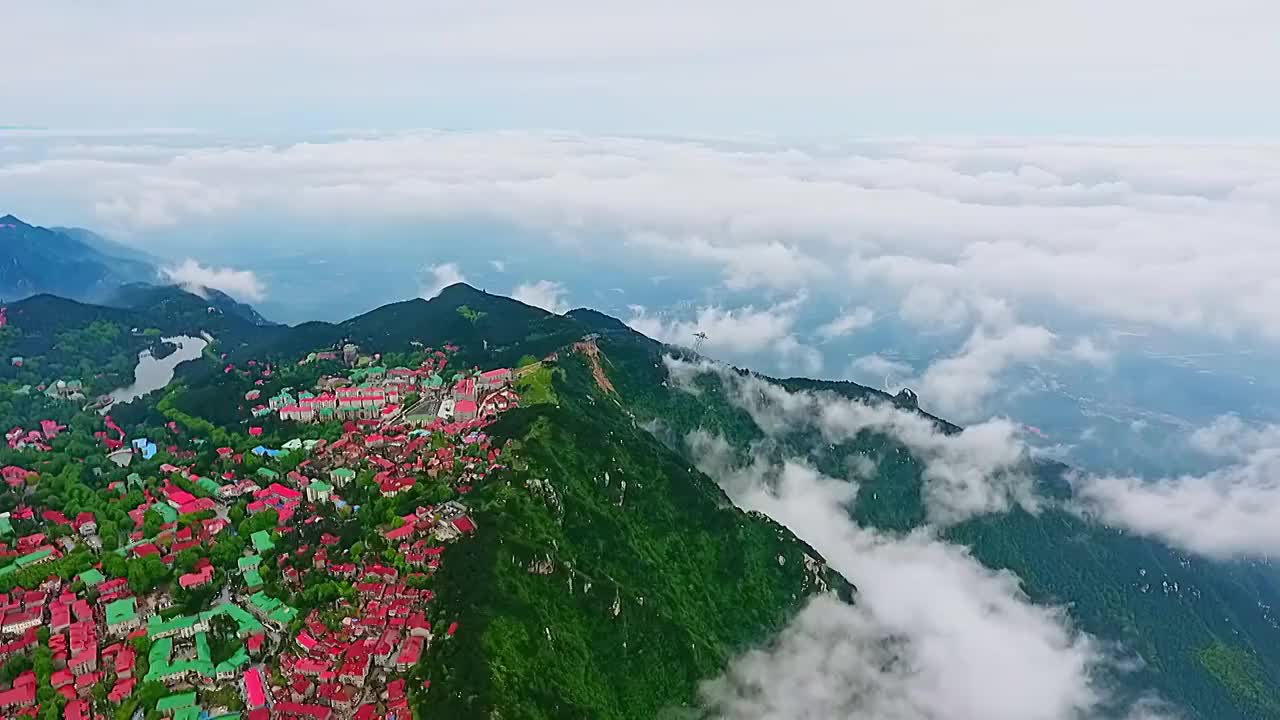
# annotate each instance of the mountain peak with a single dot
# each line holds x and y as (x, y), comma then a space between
(12, 220)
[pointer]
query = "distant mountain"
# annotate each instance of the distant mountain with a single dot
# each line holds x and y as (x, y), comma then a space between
(107, 246)
(145, 296)
(77, 264)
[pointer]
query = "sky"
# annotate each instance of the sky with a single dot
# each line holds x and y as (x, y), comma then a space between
(1056, 222)
(807, 68)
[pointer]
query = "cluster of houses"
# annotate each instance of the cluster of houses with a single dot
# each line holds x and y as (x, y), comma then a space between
(343, 670)
(22, 439)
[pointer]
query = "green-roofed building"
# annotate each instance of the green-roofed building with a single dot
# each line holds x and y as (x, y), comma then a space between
(268, 474)
(91, 577)
(122, 616)
(435, 382)
(283, 615)
(169, 705)
(229, 668)
(341, 476)
(252, 580)
(188, 713)
(202, 648)
(262, 541)
(319, 491)
(249, 562)
(134, 479)
(166, 513)
(6, 527)
(208, 486)
(328, 413)
(292, 445)
(8, 569)
(34, 558)
(182, 625)
(272, 609)
(248, 624)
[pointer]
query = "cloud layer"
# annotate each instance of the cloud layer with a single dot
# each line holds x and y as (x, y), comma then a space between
(934, 635)
(1174, 235)
(736, 332)
(195, 277)
(978, 470)
(440, 277)
(1231, 512)
(545, 294)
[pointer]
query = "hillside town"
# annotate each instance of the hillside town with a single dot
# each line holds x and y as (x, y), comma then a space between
(280, 572)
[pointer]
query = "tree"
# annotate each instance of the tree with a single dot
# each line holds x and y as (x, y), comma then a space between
(14, 667)
(151, 523)
(146, 573)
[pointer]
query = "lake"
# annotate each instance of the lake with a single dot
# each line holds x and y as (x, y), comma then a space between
(152, 374)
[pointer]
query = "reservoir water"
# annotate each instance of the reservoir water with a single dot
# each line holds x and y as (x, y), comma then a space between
(152, 374)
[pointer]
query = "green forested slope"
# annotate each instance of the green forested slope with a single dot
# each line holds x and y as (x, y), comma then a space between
(1210, 644)
(655, 579)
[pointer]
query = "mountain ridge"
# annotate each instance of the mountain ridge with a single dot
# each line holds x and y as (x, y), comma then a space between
(1212, 656)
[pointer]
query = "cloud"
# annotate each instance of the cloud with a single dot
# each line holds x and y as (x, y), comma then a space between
(1231, 437)
(1085, 350)
(958, 385)
(846, 323)
(874, 368)
(974, 471)
(1230, 512)
(498, 265)
(544, 294)
(194, 277)
(1178, 236)
(442, 276)
(934, 635)
(737, 332)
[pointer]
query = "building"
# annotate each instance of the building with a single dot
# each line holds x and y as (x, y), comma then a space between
(122, 616)
(464, 410)
(319, 491)
(341, 476)
(465, 389)
(494, 379)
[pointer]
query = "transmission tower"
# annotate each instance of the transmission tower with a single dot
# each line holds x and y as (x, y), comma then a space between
(699, 338)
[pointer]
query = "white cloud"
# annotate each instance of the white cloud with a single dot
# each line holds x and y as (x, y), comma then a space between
(933, 635)
(545, 294)
(1085, 350)
(498, 265)
(875, 368)
(974, 471)
(1230, 512)
(1229, 436)
(442, 276)
(738, 332)
(846, 323)
(958, 385)
(1177, 235)
(243, 285)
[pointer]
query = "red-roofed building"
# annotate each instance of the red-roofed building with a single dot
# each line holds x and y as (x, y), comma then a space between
(493, 379)
(203, 576)
(23, 693)
(410, 653)
(255, 688)
(146, 549)
(465, 410)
